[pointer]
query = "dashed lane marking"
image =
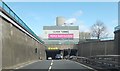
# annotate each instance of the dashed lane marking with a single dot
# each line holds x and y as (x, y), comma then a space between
(50, 65)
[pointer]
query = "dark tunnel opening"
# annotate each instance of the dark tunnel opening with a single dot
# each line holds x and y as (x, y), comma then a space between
(73, 52)
(65, 52)
(52, 53)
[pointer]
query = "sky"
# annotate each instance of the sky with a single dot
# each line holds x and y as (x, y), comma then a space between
(61, 0)
(83, 14)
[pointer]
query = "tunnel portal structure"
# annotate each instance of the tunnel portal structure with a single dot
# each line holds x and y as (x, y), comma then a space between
(18, 43)
(52, 52)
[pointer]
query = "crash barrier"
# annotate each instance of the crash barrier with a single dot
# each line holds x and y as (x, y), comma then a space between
(108, 62)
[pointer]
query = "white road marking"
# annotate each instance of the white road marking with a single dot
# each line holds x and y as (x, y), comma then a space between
(85, 66)
(52, 60)
(25, 65)
(50, 65)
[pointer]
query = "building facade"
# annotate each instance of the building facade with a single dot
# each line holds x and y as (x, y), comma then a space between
(61, 34)
(84, 35)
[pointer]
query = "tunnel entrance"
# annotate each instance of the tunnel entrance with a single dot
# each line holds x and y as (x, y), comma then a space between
(52, 53)
(73, 52)
(69, 52)
(65, 53)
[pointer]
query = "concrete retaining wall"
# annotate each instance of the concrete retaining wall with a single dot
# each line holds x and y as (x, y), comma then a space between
(96, 48)
(0, 44)
(18, 47)
(117, 42)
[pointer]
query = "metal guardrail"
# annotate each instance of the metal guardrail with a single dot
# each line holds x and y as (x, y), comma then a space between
(16, 18)
(108, 62)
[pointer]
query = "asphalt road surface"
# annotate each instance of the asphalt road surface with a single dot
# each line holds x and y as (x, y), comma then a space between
(56, 65)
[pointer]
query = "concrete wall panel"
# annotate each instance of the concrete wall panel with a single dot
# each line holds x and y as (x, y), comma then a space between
(96, 48)
(0, 43)
(17, 47)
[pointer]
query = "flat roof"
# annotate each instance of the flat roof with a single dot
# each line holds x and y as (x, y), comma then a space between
(60, 27)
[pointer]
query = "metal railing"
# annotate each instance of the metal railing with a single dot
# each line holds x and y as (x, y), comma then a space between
(20, 22)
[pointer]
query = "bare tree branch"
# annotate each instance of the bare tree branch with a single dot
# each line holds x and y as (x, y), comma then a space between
(99, 30)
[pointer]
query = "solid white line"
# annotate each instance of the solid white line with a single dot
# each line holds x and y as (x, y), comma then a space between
(25, 65)
(85, 66)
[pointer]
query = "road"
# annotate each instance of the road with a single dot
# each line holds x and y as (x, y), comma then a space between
(56, 65)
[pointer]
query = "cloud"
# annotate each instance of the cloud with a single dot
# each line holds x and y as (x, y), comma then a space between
(110, 32)
(80, 23)
(111, 28)
(78, 13)
(83, 27)
(71, 20)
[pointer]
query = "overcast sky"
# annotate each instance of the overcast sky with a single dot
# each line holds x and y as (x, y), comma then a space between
(83, 14)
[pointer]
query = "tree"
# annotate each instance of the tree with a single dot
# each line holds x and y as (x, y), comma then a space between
(99, 30)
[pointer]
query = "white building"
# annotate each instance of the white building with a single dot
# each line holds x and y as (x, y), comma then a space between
(61, 34)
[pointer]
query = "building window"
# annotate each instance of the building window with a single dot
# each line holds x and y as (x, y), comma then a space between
(64, 31)
(56, 31)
